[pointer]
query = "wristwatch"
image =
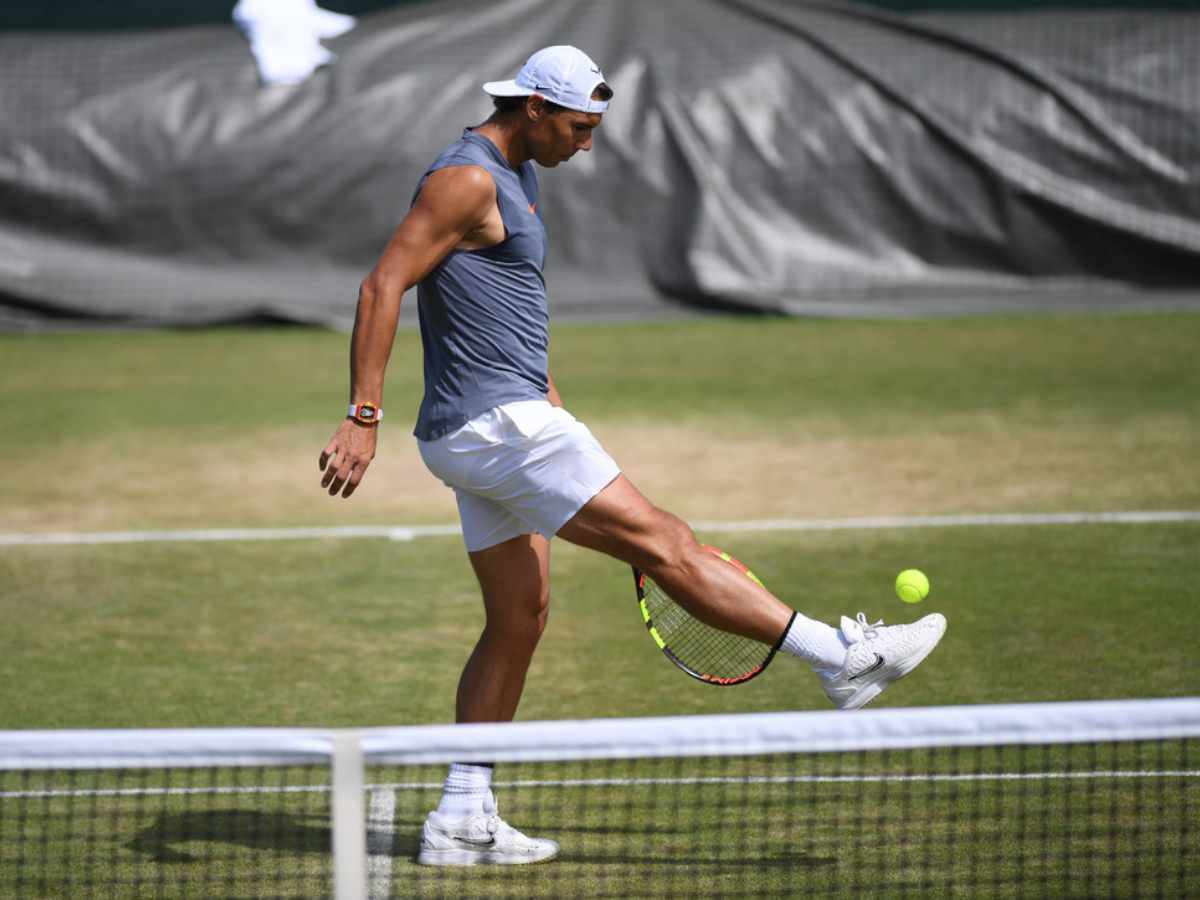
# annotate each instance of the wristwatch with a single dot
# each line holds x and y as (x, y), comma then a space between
(365, 413)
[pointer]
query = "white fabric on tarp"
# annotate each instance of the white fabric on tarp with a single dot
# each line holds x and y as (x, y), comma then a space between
(285, 36)
(821, 158)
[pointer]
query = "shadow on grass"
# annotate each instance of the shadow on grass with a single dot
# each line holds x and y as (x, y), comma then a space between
(404, 843)
(743, 862)
(274, 832)
(279, 833)
(600, 829)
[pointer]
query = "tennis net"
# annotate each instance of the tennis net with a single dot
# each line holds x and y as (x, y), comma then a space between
(1041, 800)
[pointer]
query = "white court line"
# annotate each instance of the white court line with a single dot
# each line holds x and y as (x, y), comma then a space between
(164, 792)
(383, 800)
(412, 532)
(849, 779)
(381, 834)
(391, 532)
(1070, 518)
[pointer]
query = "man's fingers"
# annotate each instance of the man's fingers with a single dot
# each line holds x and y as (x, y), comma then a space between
(343, 476)
(336, 484)
(356, 477)
(326, 455)
(344, 464)
(334, 480)
(331, 472)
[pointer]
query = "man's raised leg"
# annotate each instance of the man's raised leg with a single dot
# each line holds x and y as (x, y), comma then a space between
(855, 663)
(621, 522)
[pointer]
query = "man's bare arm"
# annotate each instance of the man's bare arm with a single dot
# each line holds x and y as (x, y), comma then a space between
(454, 203)
(552, 393)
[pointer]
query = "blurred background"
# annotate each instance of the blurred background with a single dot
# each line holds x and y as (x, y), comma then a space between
(160, 164)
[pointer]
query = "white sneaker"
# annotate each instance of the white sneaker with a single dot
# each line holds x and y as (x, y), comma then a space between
(878, 655)
(479, 840)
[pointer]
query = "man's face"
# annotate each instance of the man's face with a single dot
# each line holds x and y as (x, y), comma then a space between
(556, 137)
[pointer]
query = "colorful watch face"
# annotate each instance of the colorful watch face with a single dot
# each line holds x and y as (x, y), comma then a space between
(366, 412)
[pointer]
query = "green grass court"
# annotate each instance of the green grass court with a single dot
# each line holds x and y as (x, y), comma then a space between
(716, 419)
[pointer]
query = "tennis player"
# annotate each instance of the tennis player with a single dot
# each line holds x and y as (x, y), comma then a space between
(492, 426)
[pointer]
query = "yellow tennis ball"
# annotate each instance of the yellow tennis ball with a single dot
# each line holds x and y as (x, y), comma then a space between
(912, 586)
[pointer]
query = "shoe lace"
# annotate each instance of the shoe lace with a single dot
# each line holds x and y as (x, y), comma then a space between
(492, 820)
(868, 629)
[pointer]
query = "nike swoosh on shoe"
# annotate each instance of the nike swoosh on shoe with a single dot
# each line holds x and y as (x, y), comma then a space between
(879, 663)
(467, 842)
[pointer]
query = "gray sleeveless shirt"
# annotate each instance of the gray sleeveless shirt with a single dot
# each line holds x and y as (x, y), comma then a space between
(485, 326)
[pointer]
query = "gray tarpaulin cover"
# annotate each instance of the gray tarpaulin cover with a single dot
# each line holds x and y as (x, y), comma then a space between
(772, 155)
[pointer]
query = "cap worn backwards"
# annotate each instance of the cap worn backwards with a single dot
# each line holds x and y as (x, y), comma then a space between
(564, 75)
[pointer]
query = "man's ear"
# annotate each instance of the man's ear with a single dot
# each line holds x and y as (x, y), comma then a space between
(535, 107)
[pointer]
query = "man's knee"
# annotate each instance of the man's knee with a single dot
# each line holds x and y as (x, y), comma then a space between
(519, 618)
(670, 544)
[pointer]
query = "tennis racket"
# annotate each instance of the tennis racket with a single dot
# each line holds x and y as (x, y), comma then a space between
(706, 653)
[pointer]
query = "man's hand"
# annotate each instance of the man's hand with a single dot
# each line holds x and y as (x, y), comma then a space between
(346, 457)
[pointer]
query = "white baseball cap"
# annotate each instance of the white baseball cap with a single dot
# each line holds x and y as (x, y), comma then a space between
(564, 75)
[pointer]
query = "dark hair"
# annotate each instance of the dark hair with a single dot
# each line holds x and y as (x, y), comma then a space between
(510, 104)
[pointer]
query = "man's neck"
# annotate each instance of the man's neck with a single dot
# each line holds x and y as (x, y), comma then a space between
(507, 137)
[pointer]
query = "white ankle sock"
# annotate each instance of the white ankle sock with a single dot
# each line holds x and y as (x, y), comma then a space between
(815, 642)
(467, 786)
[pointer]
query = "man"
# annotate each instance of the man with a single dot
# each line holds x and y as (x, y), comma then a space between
(492, 427)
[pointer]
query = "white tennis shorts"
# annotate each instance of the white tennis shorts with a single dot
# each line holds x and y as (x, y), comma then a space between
(520, 468)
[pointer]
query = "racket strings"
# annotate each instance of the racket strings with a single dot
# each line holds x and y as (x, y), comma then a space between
(705, 650)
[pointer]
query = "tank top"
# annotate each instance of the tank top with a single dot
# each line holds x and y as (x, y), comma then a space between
(485, 325)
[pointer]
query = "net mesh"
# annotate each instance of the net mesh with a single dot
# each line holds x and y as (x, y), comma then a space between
(888, 803)
(190, 832)
(1039, 821)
